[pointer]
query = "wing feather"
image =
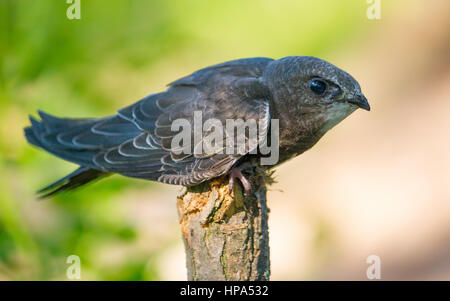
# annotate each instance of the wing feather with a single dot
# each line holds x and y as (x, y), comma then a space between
(137, 142)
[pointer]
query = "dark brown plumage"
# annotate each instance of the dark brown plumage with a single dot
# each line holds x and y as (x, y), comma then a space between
(137, 141)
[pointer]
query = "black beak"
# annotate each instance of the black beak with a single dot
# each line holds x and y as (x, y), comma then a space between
(361, 101)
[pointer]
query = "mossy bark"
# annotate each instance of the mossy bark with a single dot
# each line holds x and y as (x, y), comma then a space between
(226, 235)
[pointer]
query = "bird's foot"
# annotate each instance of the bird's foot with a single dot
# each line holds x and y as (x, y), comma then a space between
(236, 173)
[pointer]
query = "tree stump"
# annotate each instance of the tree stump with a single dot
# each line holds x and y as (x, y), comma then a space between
(226, 235)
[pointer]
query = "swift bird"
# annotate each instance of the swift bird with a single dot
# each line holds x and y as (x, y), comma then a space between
(306, 94)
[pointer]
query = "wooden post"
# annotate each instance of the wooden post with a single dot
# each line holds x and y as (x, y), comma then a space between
(226, 235)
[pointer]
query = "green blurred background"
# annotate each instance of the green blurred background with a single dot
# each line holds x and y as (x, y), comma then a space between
(120, 51)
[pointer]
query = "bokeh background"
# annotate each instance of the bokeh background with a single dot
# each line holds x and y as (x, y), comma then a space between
(377, 184)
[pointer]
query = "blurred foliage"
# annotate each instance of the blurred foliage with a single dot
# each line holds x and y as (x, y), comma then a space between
(91, 67)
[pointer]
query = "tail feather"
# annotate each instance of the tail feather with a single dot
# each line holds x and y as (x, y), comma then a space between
(57, 124)
(36, 133)
(81, 176)
(31, 137)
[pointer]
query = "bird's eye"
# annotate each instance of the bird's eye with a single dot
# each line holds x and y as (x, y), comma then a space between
(318, 86)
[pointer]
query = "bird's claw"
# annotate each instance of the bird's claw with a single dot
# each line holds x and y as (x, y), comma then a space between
(236, 173)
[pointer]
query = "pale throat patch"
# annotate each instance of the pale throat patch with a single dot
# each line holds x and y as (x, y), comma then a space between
(335, 113)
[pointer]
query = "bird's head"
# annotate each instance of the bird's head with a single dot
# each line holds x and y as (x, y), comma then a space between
(310, 85)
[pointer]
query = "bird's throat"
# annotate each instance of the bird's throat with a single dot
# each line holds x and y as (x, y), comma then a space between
(335, 113)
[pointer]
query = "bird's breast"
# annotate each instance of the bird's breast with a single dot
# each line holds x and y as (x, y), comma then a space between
(299, 132)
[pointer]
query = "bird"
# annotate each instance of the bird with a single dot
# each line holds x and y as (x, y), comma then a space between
(306, 95)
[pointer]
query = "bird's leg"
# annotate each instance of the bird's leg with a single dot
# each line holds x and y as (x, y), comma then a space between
(236, 173)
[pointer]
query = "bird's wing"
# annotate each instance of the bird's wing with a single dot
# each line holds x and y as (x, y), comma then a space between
(226, 91)
(137, 142)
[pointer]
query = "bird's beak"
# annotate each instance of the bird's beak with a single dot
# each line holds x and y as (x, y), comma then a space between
(361, 101)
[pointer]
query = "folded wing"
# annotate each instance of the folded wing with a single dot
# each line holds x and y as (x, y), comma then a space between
(137, 141)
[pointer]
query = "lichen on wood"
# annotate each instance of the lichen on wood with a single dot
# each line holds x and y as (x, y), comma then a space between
(226, 235)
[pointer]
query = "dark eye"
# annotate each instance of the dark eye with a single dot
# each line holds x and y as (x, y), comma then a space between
(318, 86)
